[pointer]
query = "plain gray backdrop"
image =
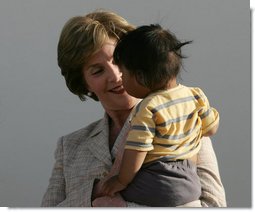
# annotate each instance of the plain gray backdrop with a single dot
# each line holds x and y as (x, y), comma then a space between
(36, 108)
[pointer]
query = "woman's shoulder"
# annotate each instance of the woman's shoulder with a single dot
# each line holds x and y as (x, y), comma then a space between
(82, 134)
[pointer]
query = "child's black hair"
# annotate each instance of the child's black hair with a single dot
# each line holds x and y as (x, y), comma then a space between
(151, 53)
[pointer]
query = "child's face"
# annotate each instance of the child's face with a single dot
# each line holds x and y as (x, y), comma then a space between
(131, 85)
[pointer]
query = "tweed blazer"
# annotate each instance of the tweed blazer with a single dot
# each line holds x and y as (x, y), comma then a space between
(84, 155)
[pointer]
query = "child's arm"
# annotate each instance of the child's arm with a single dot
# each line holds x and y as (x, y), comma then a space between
(131, 163)
(212, 131)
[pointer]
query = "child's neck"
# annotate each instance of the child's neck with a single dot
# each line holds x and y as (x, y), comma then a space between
(171, 84)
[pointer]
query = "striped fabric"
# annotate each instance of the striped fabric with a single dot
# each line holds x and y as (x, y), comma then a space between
(171, 123)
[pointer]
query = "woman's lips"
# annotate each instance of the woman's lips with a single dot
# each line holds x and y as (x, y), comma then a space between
(118, 90)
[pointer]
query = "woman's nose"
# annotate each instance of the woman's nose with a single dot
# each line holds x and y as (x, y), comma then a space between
(114, 73)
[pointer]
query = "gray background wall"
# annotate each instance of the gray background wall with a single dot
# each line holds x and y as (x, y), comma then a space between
(36, 108)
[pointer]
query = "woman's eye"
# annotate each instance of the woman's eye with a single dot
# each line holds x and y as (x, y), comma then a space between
(97, 71)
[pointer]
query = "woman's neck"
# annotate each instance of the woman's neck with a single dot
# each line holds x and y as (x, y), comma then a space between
(118, 118)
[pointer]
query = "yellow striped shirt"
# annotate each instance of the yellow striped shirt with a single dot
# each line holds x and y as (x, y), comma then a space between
(170, 123)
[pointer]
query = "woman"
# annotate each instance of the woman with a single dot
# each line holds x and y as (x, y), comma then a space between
(87, 157)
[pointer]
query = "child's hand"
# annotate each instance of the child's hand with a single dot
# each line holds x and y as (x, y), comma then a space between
(111, 186)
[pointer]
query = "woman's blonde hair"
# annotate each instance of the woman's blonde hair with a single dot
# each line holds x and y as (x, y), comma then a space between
(82, 37)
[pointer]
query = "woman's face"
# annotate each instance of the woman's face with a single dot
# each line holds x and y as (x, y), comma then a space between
(103, 78)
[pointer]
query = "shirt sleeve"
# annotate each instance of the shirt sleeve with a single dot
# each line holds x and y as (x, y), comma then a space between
(209, 115)
(142, 131)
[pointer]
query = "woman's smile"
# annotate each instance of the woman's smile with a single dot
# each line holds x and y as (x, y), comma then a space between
(118, 89)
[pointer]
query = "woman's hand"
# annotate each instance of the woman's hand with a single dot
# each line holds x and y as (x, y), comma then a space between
(106, 201)
(97, 189)
(111, 186)
(100, 200)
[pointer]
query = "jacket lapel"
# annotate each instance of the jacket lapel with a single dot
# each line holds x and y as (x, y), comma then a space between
(98, 142)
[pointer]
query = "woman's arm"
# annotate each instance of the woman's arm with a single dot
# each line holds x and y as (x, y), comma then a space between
(213, 193)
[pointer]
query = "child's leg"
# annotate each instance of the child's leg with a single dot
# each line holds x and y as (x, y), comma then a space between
(164, 184)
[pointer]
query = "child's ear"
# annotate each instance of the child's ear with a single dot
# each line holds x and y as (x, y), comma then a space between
(140, 78)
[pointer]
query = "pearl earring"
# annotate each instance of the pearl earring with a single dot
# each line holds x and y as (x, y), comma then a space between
(89, 94)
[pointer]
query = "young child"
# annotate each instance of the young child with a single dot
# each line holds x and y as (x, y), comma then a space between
(166, 126)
